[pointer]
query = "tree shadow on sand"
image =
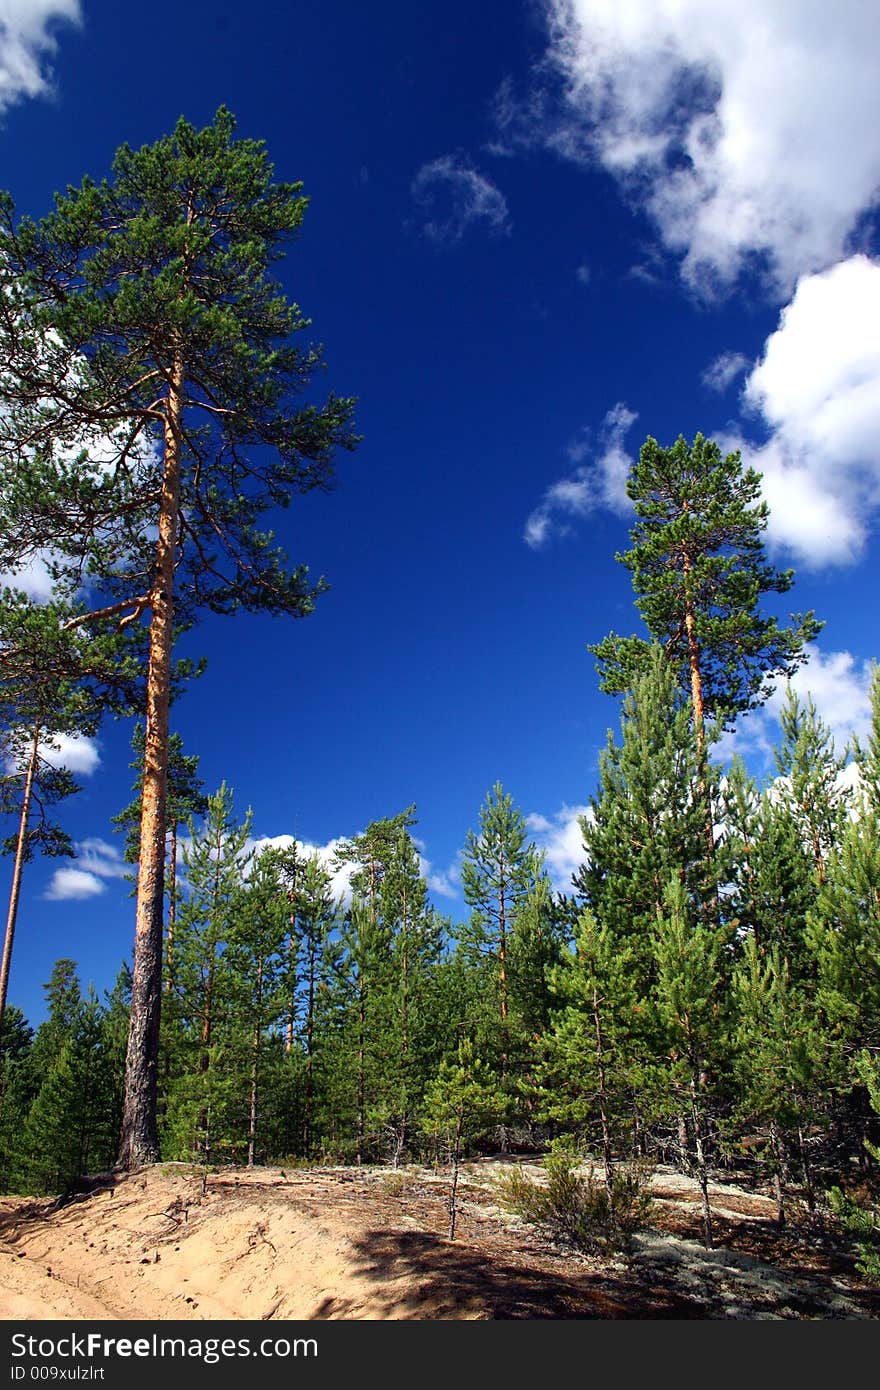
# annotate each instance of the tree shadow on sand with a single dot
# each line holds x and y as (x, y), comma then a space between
(426, 1276)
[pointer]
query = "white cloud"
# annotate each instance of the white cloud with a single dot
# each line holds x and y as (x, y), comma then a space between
(742, 128)
(73, 884)
(724, 370)
(561, 839)
(33, 579)
(74, 751)
(815, 392)
(817, 387)
(453, 196)
(446, 883)
(27, 39)
(598, 482)
(340, 878)
(443, 883)
(839, 685)
(97, 860)
(583, 275)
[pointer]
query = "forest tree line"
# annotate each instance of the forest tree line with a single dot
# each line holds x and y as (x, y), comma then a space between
(707, 1011)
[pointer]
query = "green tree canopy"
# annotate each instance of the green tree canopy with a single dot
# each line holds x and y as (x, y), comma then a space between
(699, 574)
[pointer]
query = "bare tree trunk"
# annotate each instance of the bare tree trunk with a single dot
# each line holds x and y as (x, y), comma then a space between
(139, 1142)
(20, 851)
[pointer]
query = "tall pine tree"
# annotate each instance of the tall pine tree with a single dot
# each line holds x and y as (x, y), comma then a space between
(152, 413)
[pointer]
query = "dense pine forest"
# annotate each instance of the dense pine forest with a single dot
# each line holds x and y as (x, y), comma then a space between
(706, 993)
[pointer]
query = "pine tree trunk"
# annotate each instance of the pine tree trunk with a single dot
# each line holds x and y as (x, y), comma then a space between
(20, 849)
(172, 911)
(806, 1170)
(140, 1141)
(502, 957)
(203, 1137)
(291, 1002)
(603, 1106)
(700, 736)
(456, 1161)
(778, 1167)
(255, 1070)
(360, 1070)
(310, 1043)
(702, 1170)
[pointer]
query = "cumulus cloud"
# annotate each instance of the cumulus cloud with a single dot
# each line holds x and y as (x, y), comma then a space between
(70, 885)
(444, 883)
(27, 40)
(724, 370)
(745, 130)
(839, 685)
(74, 751)
(561, 838)
(817, 389)
(599, 480)
(452, 197)
(340, 878)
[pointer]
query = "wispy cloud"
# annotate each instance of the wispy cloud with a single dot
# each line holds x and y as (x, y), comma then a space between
(744, 130)
(97, 861)
(443, 883)
(452, 197)
(598, 480)
(102, 858)
(724, 371)
(27, 42)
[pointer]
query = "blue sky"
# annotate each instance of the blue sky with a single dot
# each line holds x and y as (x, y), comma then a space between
(538, 232)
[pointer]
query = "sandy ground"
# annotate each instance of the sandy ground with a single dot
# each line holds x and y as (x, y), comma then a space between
(172, 1242)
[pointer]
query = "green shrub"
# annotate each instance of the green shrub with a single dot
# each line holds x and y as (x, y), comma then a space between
(574, 1207)
(861, 1225)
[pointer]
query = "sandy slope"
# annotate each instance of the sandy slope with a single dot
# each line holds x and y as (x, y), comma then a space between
(335, 1243)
